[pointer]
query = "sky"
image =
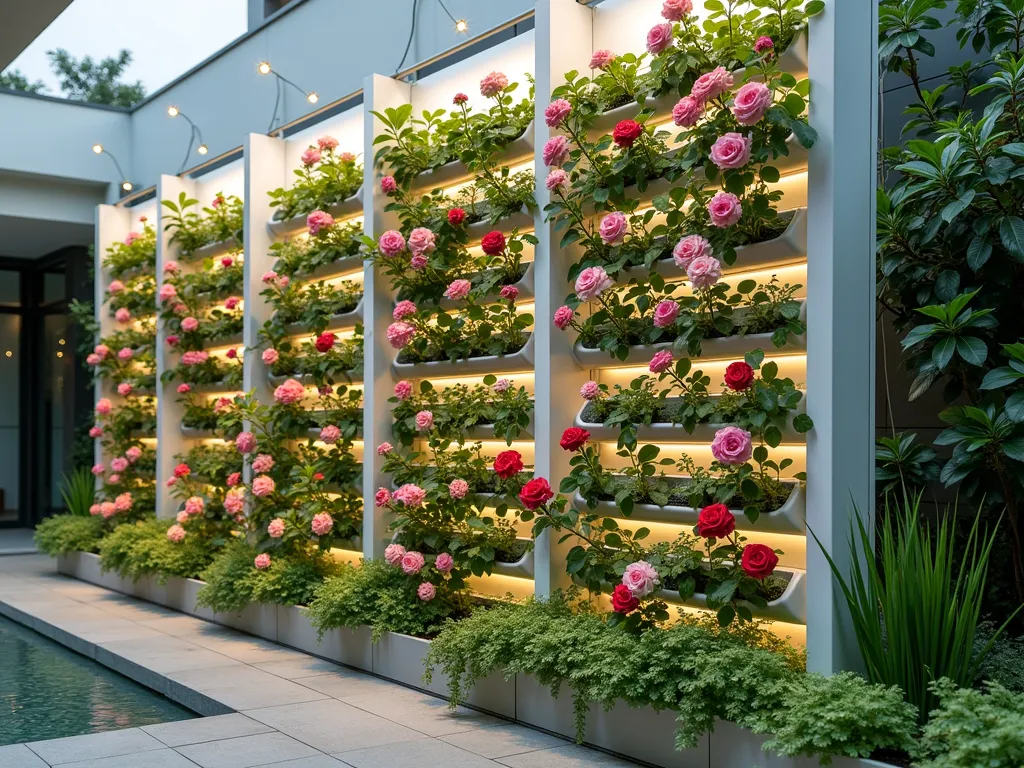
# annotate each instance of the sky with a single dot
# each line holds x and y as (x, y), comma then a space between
(166, 37)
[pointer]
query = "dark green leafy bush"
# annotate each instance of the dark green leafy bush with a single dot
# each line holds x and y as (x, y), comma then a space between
(61, 534)
(142, 548)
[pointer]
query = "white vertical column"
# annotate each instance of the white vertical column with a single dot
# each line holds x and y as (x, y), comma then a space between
(169, 412)
(564, 31)
(112, 223)
(841, 311)
(379, 93)
(265, 169)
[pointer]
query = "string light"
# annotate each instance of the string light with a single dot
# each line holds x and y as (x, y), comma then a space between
(195, 135)
(99, 149)
(264, 68)
(461, 25)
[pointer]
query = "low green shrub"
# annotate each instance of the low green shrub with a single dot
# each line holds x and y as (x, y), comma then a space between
(61, 534)
(973, 729)
(142, 548)
(382, 597)
(1004, 663)
(703, 673)
(233, 581)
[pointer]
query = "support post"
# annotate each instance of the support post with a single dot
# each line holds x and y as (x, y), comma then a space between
(843, 66)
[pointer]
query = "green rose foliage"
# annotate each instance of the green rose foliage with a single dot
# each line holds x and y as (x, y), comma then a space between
(143, 549)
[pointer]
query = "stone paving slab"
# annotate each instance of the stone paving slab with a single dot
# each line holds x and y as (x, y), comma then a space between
(268, 705)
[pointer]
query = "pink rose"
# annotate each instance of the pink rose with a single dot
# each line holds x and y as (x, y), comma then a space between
(659, 38)
(556, 151)
(418, 262)
(732, 445)
(421, 241)
(347, 157)
(675, 10)
(234, 479)
(382, 497)
(263, 463)
(458, 290)
(234, 502)
(557, 179)
(388, 185)
(131, 238)
(601, 59)
(687, 112)
(269, 277)
(103, 406)
(411, 495)
(116, 286)
(101, 350)
(318, 220)
(122, 315)
(94, 509)
(114, 479)
(563, 316)
(322, 524)
(613, 228)
(764, 44)
(731, 150)
(509, 292)
(93, 359)
(119, 464)
(665, 314)
(222, 404)
(394, 553)
(424, 420)
(460, 99)
(493, 84)
(182, 516)
(704, 272)
(276, 528)
(290, 392)
(412, 563)
(195, 358)
(712, 85)
(262, 561)
(385, 448)
(426, 591)
(444, 562)
(330, 434)
(171, 268)
(189, 324)
(556, 112)
(167, 292)
(124, 389)
(245, 442)
(391, 243)
(310, 157)
(725, 209)
(327, 143)
(590, 390)
(194, 505)
(502, 385)
(751, 102)
(262, 486)
(231, 302)
(400, 334)
(175, 533)
(133, 454)
(403, 390)
(125, 353)
(98, 469)
(270, 356)
(640, 578)
(458, 488)
(96, 432)
(660, 362)
(591, 283)
(108, 510)
(690, 248)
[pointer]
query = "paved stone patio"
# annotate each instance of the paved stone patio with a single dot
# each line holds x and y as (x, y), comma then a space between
(267, 705)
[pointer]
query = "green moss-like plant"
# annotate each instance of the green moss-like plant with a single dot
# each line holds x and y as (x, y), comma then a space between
(382, 597)
(142, 548)
(233, 581)
(973, 729)
(61, 534)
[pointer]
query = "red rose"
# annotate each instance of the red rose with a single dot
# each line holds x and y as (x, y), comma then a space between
(456, 216)
(626, 132)
(715, 522)
(460, 98)
(508, 464)
(574, 438)
(325, 341)
(172, 340)
(623, 600)
(493, 243)
(759, 561)
(182, 470)
(535, 493)
(231, 354)
(318, 476)
(738, 376)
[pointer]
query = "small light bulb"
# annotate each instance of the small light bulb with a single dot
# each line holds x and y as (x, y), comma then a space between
(312, 98)
(126, 186)
(61, 342)
(97, 148)
(461, 25)
(60, 354)
(172, 111)
(264, 68)
(8, 353)
(202, 149)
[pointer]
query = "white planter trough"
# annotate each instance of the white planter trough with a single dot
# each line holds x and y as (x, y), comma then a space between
(351, 647)
(791, 607)
(308, 380)
(733, 746)
(789, 518)
(517, 361)
(521, 220)
(486, 432)
(342, 322)
(788, 248)
(400, 658)
(197, 434)
(213, 250)
(235, 339)
(711, 349)
(347, 208)
(344, 266)
(521, 568)
(455, 172)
